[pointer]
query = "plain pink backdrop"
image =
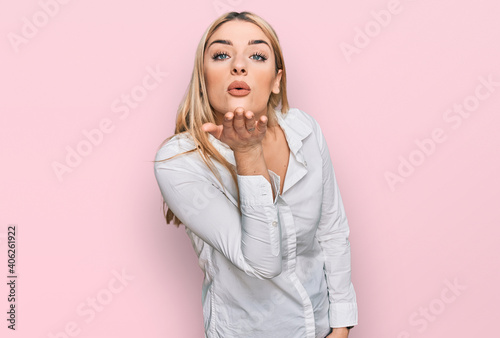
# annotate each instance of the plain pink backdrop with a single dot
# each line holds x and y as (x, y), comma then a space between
(96, 234)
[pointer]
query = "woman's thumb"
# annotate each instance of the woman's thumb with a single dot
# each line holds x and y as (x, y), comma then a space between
(207, 127)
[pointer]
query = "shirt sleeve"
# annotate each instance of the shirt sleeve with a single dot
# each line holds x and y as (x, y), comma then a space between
(333, 236)
(252, 240)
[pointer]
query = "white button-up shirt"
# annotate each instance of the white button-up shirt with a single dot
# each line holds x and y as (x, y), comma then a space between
(281, 268)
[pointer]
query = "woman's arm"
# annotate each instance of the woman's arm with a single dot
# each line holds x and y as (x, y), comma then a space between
(252, 241)
(333, 236)
(251, 163)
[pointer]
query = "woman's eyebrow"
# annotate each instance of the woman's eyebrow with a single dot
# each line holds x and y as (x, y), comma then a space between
(228, 42)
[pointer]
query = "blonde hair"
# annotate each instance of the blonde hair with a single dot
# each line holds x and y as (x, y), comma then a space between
(195, 110)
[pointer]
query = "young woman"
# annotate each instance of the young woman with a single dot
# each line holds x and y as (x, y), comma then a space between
(252, 181)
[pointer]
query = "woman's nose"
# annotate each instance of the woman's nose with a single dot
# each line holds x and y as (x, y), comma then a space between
(239, 67)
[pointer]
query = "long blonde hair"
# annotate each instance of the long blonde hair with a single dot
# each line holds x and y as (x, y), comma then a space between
(195, 110)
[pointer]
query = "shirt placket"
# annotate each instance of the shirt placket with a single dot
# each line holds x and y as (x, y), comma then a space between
(297, 167)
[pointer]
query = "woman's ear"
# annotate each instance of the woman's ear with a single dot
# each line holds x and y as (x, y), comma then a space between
(276, 84)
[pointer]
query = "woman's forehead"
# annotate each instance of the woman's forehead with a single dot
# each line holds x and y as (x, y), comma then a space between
(238, 32)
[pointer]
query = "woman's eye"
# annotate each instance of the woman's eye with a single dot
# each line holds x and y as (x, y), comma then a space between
(216, 56)
(223, 55)
(261, 56)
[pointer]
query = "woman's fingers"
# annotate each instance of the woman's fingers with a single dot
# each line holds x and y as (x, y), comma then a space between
(262, 124)
(239, 122)
(228, 124)
(250, 122)
(239, 126)
(212, 128)
(208, 127)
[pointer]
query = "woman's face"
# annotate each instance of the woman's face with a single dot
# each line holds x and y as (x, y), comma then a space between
(230, 57)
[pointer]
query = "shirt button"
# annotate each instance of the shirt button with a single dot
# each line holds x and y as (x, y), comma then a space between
(305, 163)
(275, 223)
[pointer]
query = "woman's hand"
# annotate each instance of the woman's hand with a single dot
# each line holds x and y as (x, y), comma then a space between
(339, 332)
(240, 131)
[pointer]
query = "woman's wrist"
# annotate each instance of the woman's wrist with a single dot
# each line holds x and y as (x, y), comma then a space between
(250, 161)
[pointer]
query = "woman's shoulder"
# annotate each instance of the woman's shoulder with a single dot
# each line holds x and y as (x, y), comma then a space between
(300, 119)
(299, 116)
(175, 145)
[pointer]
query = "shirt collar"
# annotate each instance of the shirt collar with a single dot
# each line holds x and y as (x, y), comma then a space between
(295, 131)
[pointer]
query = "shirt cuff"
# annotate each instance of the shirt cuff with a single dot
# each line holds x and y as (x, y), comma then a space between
(343, 314)
(256, 190)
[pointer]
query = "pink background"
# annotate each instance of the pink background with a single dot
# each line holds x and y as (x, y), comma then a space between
(411, 242)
